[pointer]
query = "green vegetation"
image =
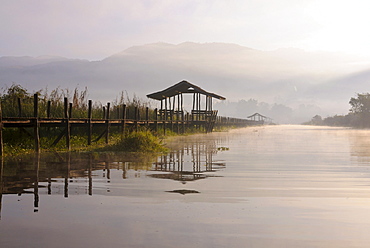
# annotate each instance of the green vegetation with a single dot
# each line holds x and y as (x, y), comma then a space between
(142, 141)
(358, 116)
(16, 101)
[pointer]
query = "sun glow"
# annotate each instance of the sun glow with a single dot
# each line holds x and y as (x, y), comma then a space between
(342, 26)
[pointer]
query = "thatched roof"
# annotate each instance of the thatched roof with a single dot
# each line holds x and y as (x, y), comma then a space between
(182, 87)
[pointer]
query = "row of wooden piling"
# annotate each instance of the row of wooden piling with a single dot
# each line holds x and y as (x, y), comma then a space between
(176, 121)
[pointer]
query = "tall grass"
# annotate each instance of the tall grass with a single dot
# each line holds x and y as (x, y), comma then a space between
(11, 96)
(17, 101)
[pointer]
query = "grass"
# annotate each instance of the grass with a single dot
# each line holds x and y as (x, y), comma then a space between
(141, 141)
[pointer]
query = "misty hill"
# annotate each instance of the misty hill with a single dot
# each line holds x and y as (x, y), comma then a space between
(286, 76)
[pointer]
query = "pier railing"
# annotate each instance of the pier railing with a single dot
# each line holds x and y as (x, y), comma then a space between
(157, 120)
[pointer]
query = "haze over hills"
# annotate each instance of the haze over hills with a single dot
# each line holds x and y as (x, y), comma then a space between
(317, 81)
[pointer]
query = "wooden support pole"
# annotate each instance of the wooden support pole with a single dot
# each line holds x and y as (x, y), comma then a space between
(65, 110)
(156, 119)
(165, 116)
(207, 103)
(70, 110)
(136, 119)
(36, 124)
(19, 107)
(107, 124)
(89, 125)
(193, 101)
(171, 112)
(48, 109)
(123, 130)
(1, 134)
(1, 181)
(178, 113)
(147, 116)
(67, 124)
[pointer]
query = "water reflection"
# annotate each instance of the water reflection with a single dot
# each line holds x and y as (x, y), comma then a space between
(193, 162)
(88, 174)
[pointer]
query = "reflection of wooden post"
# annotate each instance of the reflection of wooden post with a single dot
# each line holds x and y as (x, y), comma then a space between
(90, 174)
(1, 180)
(67, 175)
(36, 123)
(36, 182)
(89, 125)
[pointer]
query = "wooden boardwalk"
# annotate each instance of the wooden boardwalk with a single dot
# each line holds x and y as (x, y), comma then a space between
(160, 120)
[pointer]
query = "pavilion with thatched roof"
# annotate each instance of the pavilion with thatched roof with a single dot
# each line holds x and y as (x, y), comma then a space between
(172, 97)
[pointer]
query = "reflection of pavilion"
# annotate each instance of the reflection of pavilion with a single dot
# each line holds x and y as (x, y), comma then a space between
(74, 174)
(193, 162)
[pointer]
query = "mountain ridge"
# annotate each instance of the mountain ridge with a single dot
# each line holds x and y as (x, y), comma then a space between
(288, 76)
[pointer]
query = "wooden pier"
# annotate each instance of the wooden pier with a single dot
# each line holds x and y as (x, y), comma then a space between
(157, 120)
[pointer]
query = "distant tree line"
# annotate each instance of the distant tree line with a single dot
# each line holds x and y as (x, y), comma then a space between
(358, 116)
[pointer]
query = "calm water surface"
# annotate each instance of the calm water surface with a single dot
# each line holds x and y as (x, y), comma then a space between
(273, 186)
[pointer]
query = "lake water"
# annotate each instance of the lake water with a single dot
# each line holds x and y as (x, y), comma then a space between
(272, 186)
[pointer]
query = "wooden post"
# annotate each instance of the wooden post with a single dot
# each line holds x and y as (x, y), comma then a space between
(104, 112)
(136, 119)
(1, 134)
(147, 116)
(123, 130)
(19, 107)
(156, 120)
(36, 183)
(171, 114)
(89, 125)
(70, 110)
(1, 180)
(48, 109)
(107, 124)
(165, 116)
(178, 113)
(67, 124)
(36, 124)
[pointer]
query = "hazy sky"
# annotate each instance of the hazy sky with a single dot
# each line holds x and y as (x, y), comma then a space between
(95, 29)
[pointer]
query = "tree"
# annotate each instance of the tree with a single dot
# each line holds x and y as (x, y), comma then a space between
(316, 120)
(360, 104)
